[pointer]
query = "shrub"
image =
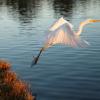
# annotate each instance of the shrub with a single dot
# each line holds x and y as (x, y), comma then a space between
(11, 88)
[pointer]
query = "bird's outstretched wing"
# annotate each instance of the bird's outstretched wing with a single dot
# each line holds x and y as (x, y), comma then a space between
(59, 23)
(61, 35)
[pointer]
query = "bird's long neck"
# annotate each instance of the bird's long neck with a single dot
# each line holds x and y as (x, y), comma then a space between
(80, 29)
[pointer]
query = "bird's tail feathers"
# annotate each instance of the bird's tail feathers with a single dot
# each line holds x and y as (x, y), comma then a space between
(78, 42)
(83, 43)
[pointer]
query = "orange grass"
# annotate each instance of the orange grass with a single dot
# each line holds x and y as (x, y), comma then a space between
(4, 65)
(30, 97)
(11, 88)
(9, 77)
(19, 87)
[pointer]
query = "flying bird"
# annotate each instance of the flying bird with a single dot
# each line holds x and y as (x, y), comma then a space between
(61, 32)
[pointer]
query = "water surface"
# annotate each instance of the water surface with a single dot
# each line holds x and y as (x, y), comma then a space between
(63, 73)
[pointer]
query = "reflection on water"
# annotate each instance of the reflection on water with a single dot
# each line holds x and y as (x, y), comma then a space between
(62, 72)
(63, 8)
(23, 10)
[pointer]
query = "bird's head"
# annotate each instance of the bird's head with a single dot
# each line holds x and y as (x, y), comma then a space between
(92, 20)
(89, 21)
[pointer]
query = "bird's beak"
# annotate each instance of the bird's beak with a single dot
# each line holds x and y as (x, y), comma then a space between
(94, 20)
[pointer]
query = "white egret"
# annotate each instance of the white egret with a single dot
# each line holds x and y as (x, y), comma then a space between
(61, 32)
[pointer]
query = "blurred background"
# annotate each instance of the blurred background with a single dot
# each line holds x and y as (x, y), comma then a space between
(62, 73)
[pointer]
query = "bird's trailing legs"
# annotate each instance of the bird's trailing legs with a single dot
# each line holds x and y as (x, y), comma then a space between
(35, 59)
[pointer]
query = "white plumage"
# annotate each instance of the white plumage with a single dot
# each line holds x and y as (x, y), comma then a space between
(61, 32)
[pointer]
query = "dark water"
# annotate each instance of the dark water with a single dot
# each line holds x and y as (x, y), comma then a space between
(63, 73)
